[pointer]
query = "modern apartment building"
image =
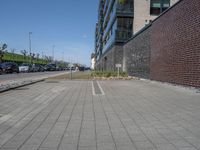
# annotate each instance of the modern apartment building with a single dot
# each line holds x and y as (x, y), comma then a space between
(99, 30)
(119, 20)
(115, 24)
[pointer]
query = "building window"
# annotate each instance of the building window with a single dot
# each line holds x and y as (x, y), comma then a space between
(158, 6)
(165, 4)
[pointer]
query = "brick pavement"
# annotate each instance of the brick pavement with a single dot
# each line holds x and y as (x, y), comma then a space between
(130, 115)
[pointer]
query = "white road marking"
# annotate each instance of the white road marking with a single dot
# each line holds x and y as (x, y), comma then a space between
(100, 88)
(93, 89)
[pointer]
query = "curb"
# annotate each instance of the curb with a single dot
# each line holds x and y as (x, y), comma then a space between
(18, 86)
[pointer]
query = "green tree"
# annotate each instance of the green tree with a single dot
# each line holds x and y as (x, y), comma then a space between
(2, 49)
(121, 1)
(24, 52)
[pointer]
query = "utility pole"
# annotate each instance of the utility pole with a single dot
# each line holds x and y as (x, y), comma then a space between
(53, 52)
(29, 35)
(63, 56)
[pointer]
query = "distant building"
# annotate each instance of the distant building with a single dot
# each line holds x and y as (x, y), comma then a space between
(93, 61)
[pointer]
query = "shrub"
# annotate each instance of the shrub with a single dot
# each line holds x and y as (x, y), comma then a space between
(108, 74)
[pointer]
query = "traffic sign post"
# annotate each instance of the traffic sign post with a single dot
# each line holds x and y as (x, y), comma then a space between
(118, 66)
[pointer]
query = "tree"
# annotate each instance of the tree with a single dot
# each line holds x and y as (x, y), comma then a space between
(32, 57)
(2, 48)
(48, 58)
(24, 53)
(13, 53)
(121, 1)
(37, 56)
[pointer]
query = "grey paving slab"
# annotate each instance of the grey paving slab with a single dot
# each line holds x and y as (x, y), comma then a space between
(131, 115)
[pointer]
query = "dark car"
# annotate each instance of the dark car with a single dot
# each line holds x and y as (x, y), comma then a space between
(36, 68)
(81, 68)
(10, 67)
(1, 70)
(50, 67)
(41, 68)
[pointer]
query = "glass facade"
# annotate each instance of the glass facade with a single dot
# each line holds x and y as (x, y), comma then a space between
(117, 23)
(99, 30)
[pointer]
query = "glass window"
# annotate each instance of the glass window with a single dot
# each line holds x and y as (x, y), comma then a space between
(155, 7)
(158, 6)
(165, 5)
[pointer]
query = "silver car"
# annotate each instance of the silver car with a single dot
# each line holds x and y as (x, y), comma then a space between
(25, 67)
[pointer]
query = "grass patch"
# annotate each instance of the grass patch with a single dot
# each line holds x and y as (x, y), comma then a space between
(75, 76)
(108, 74)
(20, 58)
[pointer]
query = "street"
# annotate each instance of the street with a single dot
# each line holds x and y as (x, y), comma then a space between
(100, 115)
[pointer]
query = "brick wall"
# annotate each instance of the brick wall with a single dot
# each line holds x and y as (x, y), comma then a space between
(175, 45)
(113, 56)
(137, 55)
(168, 50)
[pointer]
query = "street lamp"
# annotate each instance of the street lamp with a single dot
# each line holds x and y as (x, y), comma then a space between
(53, 52)
(29, 35)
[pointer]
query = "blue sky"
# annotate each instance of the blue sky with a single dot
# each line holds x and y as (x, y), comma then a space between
(67, 24)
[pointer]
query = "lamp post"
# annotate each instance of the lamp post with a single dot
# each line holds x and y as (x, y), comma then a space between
(29, 35)
(53, 52)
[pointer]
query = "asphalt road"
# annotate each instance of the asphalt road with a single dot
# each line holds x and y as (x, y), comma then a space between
(100, 115)
(15, 76)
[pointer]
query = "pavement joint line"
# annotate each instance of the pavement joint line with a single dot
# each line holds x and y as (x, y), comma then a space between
(18, 110)
(108, 123)
(128, 113)
(70, 118)
(82, 118)
(40, 110)
(120, 105)
(95, 124)
(65, 104)
(118, 116)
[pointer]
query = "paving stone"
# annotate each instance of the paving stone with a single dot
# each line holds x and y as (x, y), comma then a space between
(131, 115)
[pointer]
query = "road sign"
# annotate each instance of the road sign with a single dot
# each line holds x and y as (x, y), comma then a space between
(118, 65)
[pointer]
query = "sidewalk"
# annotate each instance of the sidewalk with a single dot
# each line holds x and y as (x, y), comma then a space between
(106, 115)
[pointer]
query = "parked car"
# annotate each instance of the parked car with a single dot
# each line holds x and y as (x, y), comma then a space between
(50, 67)
(9, 67)
(41, 68)
(25, 67)
(1, 70)
(81, 68)
(35, 68)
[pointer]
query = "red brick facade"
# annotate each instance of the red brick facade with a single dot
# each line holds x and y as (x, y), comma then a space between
(175, 45)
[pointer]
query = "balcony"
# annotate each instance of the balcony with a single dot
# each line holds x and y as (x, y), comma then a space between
(124, 10)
